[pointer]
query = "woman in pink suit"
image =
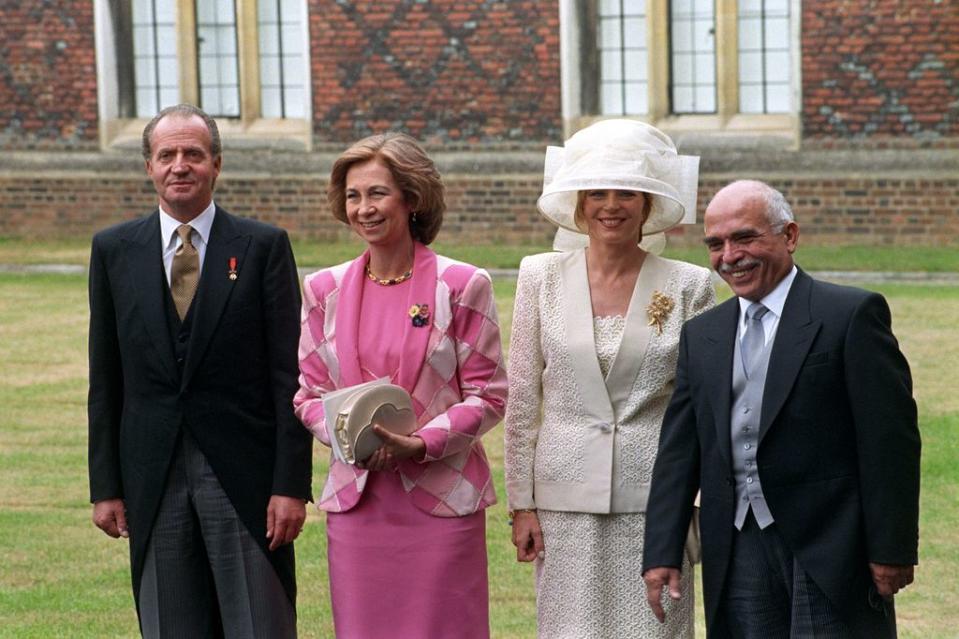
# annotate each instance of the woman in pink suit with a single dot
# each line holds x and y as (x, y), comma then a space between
(406, 531)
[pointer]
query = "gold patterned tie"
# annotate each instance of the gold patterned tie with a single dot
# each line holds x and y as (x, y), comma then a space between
(185, 272)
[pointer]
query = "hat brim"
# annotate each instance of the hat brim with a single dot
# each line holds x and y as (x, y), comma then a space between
(558, 202)
(671, 180)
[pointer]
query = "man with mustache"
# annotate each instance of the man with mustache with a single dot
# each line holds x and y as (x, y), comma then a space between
(195, 453)
(793, 414)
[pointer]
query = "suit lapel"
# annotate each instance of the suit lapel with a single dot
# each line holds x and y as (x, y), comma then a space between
(636, 335)
(144, 258)
(794, 337)
(717, 362)
(578, 316)
(416, 339)
(215, 285)
(347, 322)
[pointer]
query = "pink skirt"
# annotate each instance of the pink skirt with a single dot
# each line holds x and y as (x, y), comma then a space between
(396, 571)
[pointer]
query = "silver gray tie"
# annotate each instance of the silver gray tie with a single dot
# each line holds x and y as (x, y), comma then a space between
(755, 337)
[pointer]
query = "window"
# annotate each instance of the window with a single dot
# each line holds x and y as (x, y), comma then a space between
(218, 68)
(764, 79)
(622, 50)
(283, 94)
(692, 56)
(242, 61)
(155, 65)
(711, 64)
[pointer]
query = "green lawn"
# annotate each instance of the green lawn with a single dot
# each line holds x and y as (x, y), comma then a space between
(61, 577)
(310, 253)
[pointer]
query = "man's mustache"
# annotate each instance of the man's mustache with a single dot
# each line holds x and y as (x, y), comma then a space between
(738, 265)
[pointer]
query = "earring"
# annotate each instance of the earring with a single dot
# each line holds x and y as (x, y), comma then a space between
(413, 218)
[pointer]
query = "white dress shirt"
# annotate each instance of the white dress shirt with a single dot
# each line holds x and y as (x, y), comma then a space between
(774, 301)
(200, 236)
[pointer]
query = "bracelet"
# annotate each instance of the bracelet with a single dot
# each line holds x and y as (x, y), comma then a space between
(512, 514)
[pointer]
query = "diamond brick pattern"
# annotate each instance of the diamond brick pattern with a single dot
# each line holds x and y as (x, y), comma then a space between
(48, 81)
(880, 69)
(441, 70)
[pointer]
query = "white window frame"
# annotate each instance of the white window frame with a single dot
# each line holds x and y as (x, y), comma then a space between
(577, 88)
(249, 128)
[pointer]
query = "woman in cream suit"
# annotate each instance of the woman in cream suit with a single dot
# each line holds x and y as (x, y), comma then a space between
(591, 364)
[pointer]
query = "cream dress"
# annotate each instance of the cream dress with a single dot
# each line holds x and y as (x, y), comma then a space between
(590, 584)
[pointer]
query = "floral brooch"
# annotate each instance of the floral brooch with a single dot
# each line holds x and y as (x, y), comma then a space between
(420, 314)
(658, 310)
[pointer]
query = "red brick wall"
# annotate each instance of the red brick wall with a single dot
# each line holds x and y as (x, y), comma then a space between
(48, 84)
(884, 68)
(458, 71)
(864, 211)
(486, 209)
(467, 71)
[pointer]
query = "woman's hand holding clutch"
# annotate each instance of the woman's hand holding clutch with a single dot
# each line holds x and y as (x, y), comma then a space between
(395, 447)
(527, 536)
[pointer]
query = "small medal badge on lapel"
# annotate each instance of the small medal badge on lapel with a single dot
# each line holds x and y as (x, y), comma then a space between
(420, 314)
(232, 272)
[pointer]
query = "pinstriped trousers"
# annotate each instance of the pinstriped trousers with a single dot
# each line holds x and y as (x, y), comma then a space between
(204, 575)
(769, 596)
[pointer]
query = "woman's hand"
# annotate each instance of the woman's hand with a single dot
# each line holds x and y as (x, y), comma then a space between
(527, 536)
(395, 447)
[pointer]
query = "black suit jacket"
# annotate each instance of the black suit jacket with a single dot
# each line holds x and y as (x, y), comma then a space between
(838, 452)
(234, 395)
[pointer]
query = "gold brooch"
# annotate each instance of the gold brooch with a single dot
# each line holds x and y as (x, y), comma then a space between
(658, 310)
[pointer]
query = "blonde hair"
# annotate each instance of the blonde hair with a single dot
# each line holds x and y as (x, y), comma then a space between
(411, 168)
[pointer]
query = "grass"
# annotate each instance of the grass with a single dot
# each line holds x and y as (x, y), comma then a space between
(311, 253)
(63, 578)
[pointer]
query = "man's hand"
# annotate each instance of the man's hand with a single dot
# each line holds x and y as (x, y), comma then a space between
(890, 579)
(395, 447)
(527, 536)
(656, 580)
(110, 516)
(284, 519)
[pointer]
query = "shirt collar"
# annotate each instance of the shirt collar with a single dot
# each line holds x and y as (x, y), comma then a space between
(776, 299)
(201, 224)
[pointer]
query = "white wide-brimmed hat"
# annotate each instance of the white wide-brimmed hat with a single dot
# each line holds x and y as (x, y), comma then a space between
(625, 155)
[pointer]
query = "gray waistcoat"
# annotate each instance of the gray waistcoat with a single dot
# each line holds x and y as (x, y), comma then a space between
(744, 438)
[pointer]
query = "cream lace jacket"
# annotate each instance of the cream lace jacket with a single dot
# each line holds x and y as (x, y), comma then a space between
(574, 440)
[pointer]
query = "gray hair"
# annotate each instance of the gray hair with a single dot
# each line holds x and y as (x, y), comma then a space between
(778, 211)
(181, 111)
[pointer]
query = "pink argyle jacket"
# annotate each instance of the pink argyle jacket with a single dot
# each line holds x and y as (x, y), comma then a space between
(453, 370)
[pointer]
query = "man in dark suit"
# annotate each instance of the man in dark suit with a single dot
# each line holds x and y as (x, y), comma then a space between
(195, 453)
(793, 414)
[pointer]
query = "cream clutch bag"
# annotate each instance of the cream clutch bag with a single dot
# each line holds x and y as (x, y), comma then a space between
(356, 409)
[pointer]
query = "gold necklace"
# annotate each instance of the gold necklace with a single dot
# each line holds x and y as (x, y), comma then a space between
(388, 281)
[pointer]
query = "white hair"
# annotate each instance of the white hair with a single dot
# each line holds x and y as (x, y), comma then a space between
(778, 211)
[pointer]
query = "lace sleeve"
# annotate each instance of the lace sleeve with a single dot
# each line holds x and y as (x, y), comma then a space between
(525, 368)
(700, 293)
